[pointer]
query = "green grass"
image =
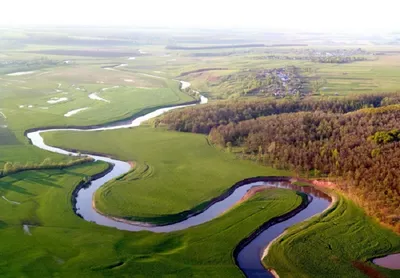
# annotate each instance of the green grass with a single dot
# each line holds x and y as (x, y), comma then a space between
(23, 101)
(185, 176)
(125, 100)
(301, 183)
(176, 171)
(327, 245)
(63, 245)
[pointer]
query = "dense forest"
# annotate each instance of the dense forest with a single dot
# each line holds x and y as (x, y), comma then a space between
(359, 150)
(201, 119)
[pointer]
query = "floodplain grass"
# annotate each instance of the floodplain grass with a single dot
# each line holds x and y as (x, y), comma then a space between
(328, 245)
(59, 243)
(63, 245)
(325, 247)
(24, 99)
(124, 100)
(175, 171)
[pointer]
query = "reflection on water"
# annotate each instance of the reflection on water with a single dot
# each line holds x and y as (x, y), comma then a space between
(391, 261)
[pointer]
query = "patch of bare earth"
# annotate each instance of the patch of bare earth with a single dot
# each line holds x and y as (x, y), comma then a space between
(325, 184)
(367, 270)
(253, 191)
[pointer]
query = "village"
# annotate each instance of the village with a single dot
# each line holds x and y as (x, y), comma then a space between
(277, 82)
(338, 56)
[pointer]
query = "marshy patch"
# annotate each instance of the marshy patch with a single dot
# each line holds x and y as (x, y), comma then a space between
(10, 201)
(21, 73)
(55, 100)
(73, 112)
(26, 229)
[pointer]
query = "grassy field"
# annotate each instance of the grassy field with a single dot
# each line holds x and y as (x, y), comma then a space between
(341, 79)
(27, 110)
(54, 88)
(175, 171)
(336, 234)
(58, 243)
(329, 245)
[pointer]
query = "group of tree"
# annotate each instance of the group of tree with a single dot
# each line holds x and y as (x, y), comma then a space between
(361, 150)
(354, 140)
(12, 168)
(338, 59)
(10, 66)
(317, 59)
(201, 119)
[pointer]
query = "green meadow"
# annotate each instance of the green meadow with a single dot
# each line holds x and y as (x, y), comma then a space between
(174, 171)
(58, 243)
(329, 245)
(43, 97)
(178, 161)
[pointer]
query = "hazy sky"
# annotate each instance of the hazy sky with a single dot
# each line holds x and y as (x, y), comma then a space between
(307, 15)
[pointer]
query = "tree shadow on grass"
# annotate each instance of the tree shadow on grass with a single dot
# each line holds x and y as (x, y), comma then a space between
(3, 224)
(41, 181)
(37, 177)
(72, 173)
(13, 187)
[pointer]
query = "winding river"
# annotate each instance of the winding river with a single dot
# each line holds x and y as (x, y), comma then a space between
(250, 251)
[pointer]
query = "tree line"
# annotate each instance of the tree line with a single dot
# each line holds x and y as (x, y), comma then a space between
(359, 150)
(353, 140)
(12, 168)
(201, 119)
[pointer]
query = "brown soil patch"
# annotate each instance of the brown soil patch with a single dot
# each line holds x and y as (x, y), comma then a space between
(213, 78)
(132, 163)
(367, 270)
(326, 184)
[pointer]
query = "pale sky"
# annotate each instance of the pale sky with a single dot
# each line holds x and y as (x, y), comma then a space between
(367, 16)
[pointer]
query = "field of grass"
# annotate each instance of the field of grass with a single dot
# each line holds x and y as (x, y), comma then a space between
(58, 243)
(175, 171)
(27, 110)
(24, 99)
(329, 245)
(341, 79)
(335, 235)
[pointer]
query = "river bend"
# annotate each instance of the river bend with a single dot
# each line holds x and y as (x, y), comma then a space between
(248, 254)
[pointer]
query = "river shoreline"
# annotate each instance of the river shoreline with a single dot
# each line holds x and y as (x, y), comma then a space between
(184, 215)
(84, 203)
(119, 122)
(83, 184)
(334, 200)
(244, 242)
(117, 168)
